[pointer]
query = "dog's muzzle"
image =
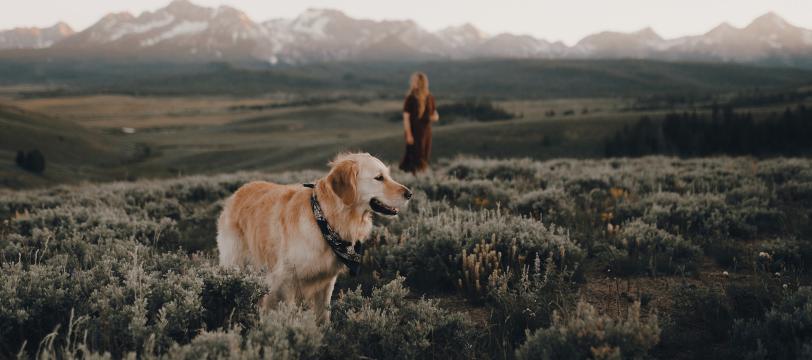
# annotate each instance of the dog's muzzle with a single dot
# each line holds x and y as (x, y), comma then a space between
(381, 208)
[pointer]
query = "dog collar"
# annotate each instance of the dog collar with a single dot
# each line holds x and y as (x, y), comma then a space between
(348, 254)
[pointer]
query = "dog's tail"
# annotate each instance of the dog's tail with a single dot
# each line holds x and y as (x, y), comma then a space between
(229, 243)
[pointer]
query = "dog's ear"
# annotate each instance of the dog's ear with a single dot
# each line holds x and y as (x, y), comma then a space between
(343, 180)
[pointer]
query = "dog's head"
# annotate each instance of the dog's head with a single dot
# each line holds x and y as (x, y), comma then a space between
(362, 181)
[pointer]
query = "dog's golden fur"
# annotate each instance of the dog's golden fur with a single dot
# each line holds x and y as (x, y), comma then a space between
(271, 226)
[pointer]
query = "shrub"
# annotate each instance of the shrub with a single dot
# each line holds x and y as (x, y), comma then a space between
(752, 299)
(230, 297)
(479, 266)
(583, 186)
(474, 109)
(20, 158)
(756, 221)
(702, 309)
(466, 168)
(585, 334)
(785, 255)
(33, 301)
(727, 253)
(286, 333)
(525, 299)
(754, 195)
(211, 346)
(779, 171)
(785, 332)
(643, 248)
(296, 337)
(796, 193)
(474, 194)
(428, 252)
(702, 218)
(551, 206)
(33, 161)
(388, 325)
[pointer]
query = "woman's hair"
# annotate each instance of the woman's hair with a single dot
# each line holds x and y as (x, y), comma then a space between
(419, 88)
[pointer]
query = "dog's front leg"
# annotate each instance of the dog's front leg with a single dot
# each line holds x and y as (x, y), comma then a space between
(321, 300)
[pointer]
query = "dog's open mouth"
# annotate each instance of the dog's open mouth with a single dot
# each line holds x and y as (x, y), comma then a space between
(381, 208)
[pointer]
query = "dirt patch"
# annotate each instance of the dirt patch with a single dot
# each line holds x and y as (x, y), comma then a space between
(613, 295)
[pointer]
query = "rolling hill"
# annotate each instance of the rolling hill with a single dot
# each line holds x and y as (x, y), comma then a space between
(69, 149)
(500, 79)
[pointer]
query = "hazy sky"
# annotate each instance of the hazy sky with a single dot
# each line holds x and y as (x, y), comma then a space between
(567, 20)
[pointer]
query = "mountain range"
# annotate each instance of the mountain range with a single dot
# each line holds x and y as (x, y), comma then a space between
(183, 31)
(34, 38)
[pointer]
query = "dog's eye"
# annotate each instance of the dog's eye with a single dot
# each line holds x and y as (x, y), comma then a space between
(379, 178)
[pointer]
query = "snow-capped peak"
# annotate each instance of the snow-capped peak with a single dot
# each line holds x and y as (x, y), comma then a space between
(462, 35)
(313, 22)
(130, 28)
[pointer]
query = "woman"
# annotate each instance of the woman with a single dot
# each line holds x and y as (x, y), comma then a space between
(419, 111)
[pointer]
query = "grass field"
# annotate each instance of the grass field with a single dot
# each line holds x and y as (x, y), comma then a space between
(655, 257)
(194, 134)
(213, 134)
(152, 120)
(523, 241)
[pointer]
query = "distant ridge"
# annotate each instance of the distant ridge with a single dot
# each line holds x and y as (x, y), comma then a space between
(34, 38)
(183, 31)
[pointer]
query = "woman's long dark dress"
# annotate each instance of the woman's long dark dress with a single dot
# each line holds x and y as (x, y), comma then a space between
(417, 154)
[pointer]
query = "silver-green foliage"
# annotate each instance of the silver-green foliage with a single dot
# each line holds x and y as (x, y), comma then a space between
(640, 247)
(387, 324)
(130, 267)
(428, 250)
(785, 331)
(586, 334)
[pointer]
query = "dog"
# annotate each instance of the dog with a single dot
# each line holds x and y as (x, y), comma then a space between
(273, 227)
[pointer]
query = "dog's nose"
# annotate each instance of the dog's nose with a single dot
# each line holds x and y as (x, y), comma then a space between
(407, 193)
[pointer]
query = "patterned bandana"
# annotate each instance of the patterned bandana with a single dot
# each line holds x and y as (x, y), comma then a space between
(348, 254)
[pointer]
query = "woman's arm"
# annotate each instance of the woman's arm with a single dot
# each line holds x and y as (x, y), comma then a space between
(407, 128)
(435, 116)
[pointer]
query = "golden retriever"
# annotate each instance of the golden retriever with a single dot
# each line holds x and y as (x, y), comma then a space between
(272, 227)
